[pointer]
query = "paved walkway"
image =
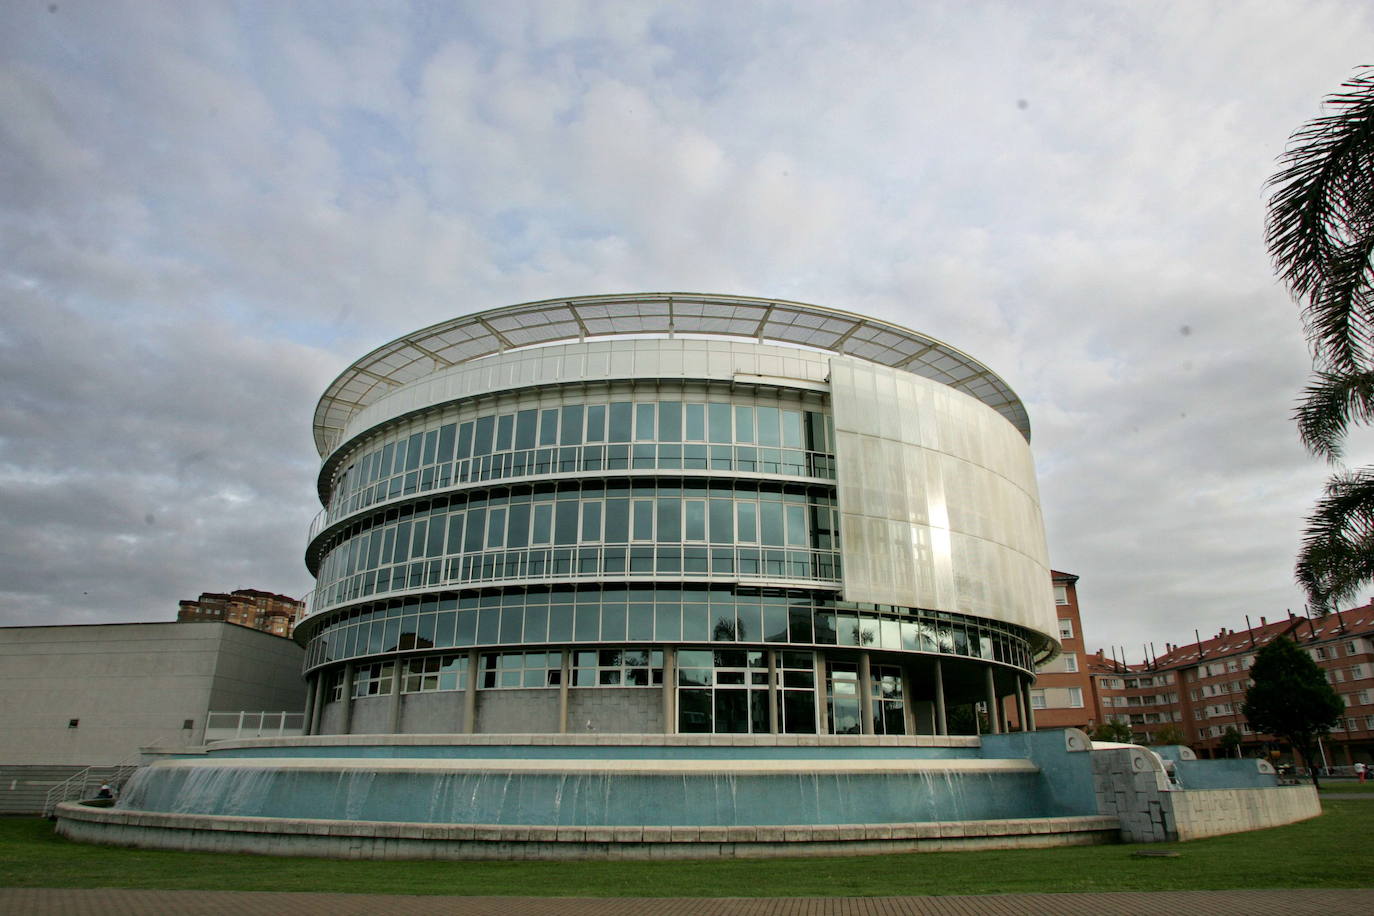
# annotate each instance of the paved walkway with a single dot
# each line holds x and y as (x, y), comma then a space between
(41, 902)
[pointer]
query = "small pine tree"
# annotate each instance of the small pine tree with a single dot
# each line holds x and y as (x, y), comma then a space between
(1290, 698)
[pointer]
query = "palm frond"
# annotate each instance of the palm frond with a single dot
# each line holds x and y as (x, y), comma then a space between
(1320, 229)
(1329, 405)
(1337, 555)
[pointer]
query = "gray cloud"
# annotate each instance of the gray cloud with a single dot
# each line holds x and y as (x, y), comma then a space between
(208, 211)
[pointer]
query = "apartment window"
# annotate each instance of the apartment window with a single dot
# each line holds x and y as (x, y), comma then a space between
(1061, 595)
(1364, 697)
(1193, 694)
(1071, 663)
(1065, 629)
(1073, 697)
(1319, 653)
(1356, 672)
(1037, 698)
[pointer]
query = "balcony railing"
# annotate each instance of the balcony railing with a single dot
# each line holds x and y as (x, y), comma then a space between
(539, 564)
(224, 726)
(546, 462)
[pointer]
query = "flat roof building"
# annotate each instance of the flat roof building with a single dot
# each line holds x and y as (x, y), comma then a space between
(92, 695)
(672, 513)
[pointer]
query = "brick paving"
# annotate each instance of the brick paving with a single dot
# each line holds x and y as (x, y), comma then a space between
(99, 902)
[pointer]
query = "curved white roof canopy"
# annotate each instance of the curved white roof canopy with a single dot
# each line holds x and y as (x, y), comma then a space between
(471, 337)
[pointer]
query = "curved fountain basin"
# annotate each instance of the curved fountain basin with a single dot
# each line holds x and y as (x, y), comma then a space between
(606, 796)
(610, 791)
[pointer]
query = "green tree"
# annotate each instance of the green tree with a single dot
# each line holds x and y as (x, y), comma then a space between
(1290, 698)
(1113, 730)
(1169, 734)
(1321, 236)
(1230, 741)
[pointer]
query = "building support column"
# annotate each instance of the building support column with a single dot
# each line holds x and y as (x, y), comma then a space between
(865, 686)
(908, 705)
(346, 697)
(564, 682)
(669, 690)
(773, 692)
(470, 695)
(1030, 707)
(308, 716)
(994, 712)
(1021, 707)
(941, 720)
(393, 716)
(822, 702)
(323, 693)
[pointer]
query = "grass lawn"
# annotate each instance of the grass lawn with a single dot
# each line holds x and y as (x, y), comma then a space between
(1324, 852)
(1345, 786)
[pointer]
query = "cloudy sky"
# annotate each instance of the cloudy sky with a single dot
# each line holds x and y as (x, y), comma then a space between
(207, 212)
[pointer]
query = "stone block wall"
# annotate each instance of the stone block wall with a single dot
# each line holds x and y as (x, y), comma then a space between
(432, 713)
(1212, 812)
(1132, 786)
(371, 716)
(616, 710)
(518, 712)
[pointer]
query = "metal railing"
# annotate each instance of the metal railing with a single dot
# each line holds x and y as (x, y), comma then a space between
(544, 463)
(225, 726)
(86, 783)
(527, 564)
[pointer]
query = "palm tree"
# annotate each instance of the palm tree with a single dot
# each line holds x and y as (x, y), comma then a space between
(1321, 236)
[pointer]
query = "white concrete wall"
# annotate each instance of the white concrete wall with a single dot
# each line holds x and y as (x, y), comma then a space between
(596, 361)
(1199, 813)
(131, 685)
(939, 506)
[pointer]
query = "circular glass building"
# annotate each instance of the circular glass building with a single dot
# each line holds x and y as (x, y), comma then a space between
(673, 513)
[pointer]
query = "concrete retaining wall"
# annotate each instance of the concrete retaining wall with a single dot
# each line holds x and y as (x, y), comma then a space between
(1132, 786)
(1212, 812)
(384, 840)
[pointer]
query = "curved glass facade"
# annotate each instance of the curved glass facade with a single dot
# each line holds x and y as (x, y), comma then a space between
(755, 437)
(654, 614)
(654, 550)
(690, 528)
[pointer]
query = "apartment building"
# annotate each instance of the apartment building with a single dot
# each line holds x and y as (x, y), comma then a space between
(247, 607)
(1199, 687)
(1063, 693)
